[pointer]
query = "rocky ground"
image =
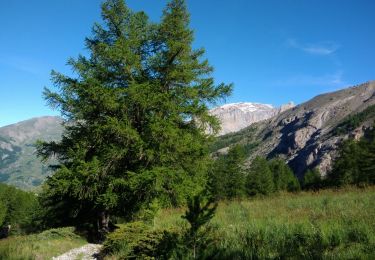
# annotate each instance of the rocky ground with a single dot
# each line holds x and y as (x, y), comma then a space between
(86, 252)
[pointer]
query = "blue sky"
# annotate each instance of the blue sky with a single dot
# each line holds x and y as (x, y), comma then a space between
(273, 51)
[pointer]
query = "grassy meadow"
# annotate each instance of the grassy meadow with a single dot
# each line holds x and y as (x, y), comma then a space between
(327, 224)
(41, 246)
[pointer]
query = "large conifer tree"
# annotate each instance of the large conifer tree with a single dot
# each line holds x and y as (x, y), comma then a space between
(135, 118)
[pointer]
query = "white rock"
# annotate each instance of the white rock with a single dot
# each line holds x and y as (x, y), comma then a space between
(86, 252)
(236, 116)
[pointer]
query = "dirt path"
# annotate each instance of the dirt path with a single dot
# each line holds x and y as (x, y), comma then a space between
(86, 252)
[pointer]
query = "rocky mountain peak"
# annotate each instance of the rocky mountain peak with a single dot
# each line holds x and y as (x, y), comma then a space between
(245, 107)
(236, 116)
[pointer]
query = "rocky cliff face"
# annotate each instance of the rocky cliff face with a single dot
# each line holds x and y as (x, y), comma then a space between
(305, 135)
(19, 165)
(236, 116)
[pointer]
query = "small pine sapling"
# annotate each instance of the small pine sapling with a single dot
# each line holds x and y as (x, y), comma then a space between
(200, 211)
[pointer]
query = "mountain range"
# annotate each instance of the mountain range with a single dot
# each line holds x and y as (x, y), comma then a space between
(19, 165)
(306, 135)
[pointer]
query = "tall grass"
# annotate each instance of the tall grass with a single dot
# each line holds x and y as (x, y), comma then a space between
(41, 246)
(327, 224)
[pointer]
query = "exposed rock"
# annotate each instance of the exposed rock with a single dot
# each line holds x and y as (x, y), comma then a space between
(86, 252)
(286, 107)
(304, 135)
(236, 116)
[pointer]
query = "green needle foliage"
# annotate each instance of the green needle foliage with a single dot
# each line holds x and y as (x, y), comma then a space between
(312, 180)
(283, 176)
(199, 213)
(17, 209)
(227, 179)
(135, 118)
(355, 163)
(259, 178)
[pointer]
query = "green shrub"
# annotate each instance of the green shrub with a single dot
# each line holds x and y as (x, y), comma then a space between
(55, 233)
(137, 240)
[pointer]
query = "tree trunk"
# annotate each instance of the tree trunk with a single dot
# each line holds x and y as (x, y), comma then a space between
(4, 231)
(102, 224)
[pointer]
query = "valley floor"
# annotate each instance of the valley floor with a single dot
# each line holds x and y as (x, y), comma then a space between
(328, 224)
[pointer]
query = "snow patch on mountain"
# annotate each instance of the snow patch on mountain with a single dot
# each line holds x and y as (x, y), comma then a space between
(236, 116)
(245, 107)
